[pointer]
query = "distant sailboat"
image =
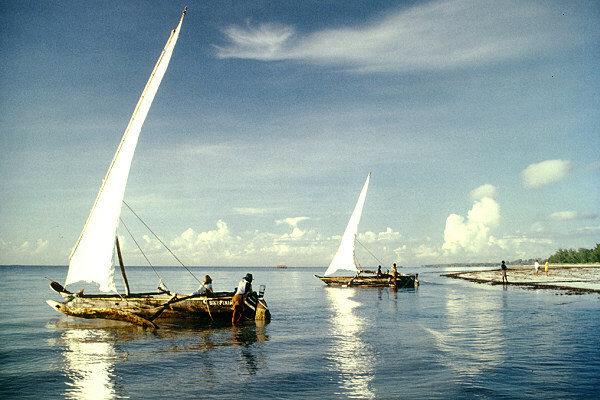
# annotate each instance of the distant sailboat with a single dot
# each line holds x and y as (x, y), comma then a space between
(92, 256)
(345, 258)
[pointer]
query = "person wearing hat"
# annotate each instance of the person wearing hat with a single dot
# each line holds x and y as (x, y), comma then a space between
(205, 287)
(243, 289)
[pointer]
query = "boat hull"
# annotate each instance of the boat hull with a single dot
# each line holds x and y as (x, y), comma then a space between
(401, 281)
(149, 309)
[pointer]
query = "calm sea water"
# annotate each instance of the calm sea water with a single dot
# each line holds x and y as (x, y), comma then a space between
(448, 339)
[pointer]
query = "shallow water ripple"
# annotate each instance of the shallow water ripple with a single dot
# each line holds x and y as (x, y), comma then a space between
(448, 339)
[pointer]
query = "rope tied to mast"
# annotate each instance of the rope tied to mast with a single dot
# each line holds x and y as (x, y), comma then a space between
(144, 254)
(161, 242)
(365, 247)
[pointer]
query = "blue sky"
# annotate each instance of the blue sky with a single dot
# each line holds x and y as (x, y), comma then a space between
(478, 120)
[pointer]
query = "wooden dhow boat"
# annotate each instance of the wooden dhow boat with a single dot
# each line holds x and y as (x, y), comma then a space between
(92, 256)
(345, 259)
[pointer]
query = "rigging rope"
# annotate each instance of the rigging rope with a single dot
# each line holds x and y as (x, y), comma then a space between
(365, 247)
(161, 242)
(142, 251)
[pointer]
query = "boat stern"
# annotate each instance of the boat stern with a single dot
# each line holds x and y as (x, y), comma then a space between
(256, 302)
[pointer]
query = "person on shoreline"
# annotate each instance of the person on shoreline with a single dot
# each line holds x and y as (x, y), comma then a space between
(244, 288)
(504, 277)
(537, 267)
(546, 267)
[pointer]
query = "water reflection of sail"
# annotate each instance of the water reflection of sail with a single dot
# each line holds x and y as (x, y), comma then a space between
(472, 339)
(90, 358)
(350, 356)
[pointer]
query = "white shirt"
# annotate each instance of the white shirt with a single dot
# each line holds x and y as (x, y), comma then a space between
(204, 288)
(537, 265)
(241, 289)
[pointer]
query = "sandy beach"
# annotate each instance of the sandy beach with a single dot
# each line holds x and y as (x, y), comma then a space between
(574, 279)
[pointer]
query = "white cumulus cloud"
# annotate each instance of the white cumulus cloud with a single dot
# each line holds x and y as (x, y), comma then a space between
(297, 247)
(471, 234)
(379, 237)
(482, 191)
(545, 173)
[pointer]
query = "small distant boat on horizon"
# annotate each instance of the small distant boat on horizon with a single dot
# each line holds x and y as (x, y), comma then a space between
(92, 256)
(281, 266)
(345, 259)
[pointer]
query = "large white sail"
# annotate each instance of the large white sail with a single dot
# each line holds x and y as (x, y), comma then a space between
(92, 257)
(344, 258)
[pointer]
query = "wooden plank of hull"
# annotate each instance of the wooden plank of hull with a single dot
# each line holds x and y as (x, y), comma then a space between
(402, 281)
(105, 313)
(195, 307)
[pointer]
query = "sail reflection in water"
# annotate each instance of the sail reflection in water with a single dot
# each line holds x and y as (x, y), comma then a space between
(473, 339)
(349, 355)
(90, 358)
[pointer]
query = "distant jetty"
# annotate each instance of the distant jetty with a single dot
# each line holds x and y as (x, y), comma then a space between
(572, 278)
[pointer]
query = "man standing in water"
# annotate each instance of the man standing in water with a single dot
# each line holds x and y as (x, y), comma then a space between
(244, 288)
(504, 278)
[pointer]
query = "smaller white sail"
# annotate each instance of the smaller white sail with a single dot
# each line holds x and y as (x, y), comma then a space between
(344, 258)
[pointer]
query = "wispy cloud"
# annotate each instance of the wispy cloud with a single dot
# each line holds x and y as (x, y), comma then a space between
(545, 173)
(570, 216)
(595, 166)
(252, 210)
(264, 42)
(293, 222)
(434, 36)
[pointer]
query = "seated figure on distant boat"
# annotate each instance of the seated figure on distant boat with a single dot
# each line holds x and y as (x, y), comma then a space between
(205, 287)
(244, 289)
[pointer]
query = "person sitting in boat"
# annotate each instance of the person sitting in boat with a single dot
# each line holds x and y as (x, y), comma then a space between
(394, 270)
(379, 271)
(244, 289)
(206, 287)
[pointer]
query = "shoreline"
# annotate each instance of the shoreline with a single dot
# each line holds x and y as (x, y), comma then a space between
(569, 278)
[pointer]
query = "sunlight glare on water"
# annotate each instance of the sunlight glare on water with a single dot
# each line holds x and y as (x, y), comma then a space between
(350, 356)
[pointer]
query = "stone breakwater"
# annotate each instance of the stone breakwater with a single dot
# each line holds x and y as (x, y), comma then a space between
(574, 279)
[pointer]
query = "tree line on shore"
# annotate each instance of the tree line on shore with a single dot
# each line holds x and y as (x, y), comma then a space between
(580, 256)
(562, 256)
